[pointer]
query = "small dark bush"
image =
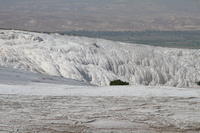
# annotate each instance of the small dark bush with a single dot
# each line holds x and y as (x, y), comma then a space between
(94, 44)
(198, 83)
(118, 82)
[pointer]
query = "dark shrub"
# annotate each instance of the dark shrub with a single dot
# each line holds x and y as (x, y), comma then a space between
(118, 82)
(94, 44)
(198, 83)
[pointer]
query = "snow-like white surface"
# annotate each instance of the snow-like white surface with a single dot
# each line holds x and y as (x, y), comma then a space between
(20, 82)
(44, 89)
(14, 77)
(98, 61)
(32, 102)
(55, 108)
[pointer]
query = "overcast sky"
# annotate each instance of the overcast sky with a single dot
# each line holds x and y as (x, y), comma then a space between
(99, 14)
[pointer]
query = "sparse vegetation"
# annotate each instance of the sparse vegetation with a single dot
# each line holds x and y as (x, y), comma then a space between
(118, 82)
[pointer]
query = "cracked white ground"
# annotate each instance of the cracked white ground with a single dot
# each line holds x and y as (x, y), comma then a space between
(46, 102)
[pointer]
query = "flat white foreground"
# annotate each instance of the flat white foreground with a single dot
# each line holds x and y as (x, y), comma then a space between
(68, 106)
(77, 114)
(45, 89)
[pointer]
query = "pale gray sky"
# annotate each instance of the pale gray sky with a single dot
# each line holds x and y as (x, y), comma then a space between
(51, 15)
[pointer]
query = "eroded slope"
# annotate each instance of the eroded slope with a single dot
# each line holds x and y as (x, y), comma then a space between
(99, 61)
